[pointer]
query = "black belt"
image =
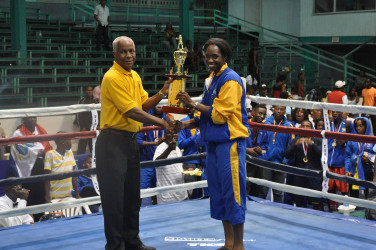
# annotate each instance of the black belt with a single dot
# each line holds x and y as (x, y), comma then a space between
(120, 132)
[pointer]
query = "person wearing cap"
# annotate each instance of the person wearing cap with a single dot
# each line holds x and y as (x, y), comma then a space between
(263, 92)
(337, 95)
(369, 99)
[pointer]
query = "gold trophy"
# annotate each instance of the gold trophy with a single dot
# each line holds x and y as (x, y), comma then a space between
(179, 83)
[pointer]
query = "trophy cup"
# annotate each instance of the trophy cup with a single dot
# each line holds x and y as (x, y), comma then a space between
(179, 83)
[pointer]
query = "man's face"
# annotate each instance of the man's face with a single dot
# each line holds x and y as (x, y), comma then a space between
(13, 190)
(170, 137)
(368, 83)
(316, 113)
(103, 3)
(320, 125)
(259, 115)
(87, 163)
(125, 54)
(66, 144)
(89, 92)
(337, 115)
(30, 123)
(263, 92)
(306, 125)
(279, 112)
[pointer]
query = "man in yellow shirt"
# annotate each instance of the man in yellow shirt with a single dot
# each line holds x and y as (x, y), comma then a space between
(124, 102)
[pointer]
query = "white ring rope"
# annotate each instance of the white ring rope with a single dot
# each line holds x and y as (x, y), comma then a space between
(96, 199)
(72, 109)
(313, 193)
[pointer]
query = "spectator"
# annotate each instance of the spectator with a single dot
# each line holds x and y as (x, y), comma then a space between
(360, 81)
(369, 97)
(263, 91)
(97, 93)
(336, 152)
(305, 152)
(57, 161)
(2, 148)
(253, 61)
(316, 95)
(314, 115)
(85, 121)
(148, 142)
(85, 185)
(286, 95)
(353, 99)
(298, 92)
(169, 174)
(319, 123)
(169, 38)
(198, 58)
(274, 144)
(299, 115)
(258, 116)
(337, 95)
(28, 160)
(102, 16)
(188, 143)
(360, 157)
(279, 87)
(189, 61)
(15, 197)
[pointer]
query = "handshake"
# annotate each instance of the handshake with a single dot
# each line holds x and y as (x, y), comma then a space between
(173, 127)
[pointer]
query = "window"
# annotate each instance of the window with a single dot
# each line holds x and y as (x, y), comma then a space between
(327, 6)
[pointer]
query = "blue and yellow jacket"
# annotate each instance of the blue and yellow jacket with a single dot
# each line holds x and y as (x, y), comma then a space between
(336, 153)
(355, 151)
(188, 141)
(227, 117)
(147, 153)
(274, 151)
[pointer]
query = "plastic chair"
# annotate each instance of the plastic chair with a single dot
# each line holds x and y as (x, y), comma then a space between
(73, 211)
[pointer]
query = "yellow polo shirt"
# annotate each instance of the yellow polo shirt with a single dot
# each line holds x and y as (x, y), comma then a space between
(121, 91)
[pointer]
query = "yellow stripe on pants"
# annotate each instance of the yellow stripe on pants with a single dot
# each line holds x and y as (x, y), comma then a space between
(234, 160)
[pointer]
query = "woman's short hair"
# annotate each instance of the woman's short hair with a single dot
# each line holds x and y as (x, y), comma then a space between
(223, 46)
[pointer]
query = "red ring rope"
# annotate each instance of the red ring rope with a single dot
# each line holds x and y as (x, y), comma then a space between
(282, 129)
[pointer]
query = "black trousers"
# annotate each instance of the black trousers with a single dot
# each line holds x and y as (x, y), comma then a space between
(102, 35)
(252, 188)
(274, 176)
(118, 169)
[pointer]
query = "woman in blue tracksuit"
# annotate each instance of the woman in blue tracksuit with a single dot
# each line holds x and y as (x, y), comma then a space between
(359, 156)
(224, 127)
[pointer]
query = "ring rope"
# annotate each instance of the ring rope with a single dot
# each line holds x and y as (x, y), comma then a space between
(72, 109)
(96, 199)
(313, 193)
(90, 171)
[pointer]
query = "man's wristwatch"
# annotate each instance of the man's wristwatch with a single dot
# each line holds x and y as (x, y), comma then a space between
(195, 106)
(161, 95)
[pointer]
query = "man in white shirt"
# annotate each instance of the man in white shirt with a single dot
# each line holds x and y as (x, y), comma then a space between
(171, 174)
(15, 197)
(102, 14)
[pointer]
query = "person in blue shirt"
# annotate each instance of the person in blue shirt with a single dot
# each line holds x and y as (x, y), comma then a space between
(360, 156)
(274, 143)
(85, 185)
(188, 142)
(148, 142)
(258, 116)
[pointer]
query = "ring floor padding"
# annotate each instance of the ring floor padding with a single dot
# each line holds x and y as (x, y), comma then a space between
(187, 225)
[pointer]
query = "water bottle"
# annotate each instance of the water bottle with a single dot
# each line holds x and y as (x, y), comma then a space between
(346, 208)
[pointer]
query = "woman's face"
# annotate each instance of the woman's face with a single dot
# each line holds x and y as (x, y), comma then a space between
(214, 58)
(299, 115)
(352, 91)
(320, 125)
(360, 128)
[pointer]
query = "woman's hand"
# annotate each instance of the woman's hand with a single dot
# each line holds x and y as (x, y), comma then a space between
(183, 97)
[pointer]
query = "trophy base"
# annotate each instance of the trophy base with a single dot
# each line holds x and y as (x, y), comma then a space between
(175, 110)
(177, 76)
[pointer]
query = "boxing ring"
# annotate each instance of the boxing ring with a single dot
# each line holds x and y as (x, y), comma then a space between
(187, 224)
